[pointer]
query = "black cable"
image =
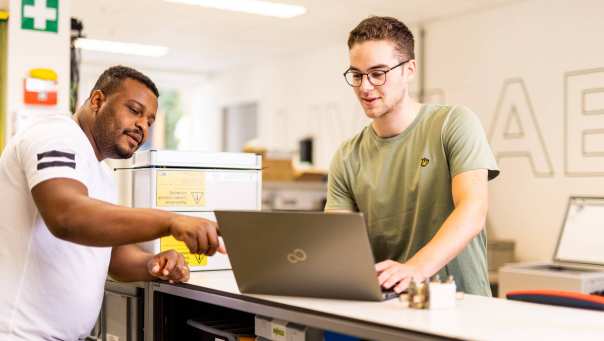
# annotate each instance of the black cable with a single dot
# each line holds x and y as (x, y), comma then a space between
(75, 60)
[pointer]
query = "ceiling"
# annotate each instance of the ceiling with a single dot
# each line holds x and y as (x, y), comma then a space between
(204, 40)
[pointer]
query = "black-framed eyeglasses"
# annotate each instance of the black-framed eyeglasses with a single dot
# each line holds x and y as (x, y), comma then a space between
(354, 78)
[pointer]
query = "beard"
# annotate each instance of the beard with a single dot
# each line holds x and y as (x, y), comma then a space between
(121, 153)
(107, 133)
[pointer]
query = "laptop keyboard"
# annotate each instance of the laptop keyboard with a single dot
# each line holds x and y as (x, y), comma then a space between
(389, 294)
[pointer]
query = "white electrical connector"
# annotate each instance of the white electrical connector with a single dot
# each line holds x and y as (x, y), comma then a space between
(435, 294)
(442, 295)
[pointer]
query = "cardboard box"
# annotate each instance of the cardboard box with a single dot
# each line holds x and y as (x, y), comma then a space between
(278, 170)
(285, 170)
(279, 330)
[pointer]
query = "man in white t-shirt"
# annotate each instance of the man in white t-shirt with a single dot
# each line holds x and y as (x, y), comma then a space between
(60, 231)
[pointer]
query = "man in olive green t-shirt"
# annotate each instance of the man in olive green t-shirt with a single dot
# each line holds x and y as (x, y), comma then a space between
(418, 172)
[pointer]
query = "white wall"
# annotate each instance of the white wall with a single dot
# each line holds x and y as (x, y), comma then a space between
(522, 50)
(523, 68)
(298, 96)
(33, 49)
(200, 128)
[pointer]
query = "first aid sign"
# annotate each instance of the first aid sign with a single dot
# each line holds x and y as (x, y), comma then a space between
(40, 15)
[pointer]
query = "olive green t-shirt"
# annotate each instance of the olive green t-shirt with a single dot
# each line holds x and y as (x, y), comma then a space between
(402, 185)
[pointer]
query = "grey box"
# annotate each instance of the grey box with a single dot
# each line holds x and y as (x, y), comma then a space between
(500, 252)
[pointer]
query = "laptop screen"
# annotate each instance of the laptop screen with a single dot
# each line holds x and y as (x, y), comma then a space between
(582, 235)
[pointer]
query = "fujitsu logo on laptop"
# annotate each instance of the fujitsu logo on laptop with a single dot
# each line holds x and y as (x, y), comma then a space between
(296, 256)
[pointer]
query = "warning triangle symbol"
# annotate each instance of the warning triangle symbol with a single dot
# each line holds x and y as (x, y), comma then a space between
(197, 196)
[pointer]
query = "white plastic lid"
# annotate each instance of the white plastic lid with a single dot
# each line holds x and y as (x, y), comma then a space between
(188, 159)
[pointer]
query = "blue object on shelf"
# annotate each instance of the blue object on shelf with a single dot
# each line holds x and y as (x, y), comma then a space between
(333, 336)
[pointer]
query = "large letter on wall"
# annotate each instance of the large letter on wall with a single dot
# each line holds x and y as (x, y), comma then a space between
(584, 118)
(514, 131)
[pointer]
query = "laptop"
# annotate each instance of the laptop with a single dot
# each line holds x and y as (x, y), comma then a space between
(312, 254)
(581, 239)
(578, 261)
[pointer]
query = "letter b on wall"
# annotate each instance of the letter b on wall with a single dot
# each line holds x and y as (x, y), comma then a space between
(584, 120)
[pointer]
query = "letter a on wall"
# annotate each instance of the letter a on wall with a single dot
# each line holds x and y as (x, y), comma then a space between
(584, 118)
(40, 15)
(514, 131)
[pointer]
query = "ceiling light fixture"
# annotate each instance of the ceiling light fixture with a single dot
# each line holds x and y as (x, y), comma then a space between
(121, 48)
(261, 7)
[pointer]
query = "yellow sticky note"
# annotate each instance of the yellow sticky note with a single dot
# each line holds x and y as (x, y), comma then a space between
(180, 188)
(170, 243)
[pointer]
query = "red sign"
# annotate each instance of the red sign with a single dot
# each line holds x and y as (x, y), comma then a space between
(39, 91)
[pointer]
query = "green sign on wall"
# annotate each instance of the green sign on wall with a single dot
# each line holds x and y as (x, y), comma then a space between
(40, 15)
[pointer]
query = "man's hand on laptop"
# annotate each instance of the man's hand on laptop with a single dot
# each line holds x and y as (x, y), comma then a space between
(396, 276)
(200, 235)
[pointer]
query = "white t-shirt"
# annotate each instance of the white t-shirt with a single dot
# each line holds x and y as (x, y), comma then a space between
(50, 289)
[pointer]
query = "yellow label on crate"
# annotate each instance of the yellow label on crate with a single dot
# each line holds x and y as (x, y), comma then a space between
(181, 188)
(169, 243)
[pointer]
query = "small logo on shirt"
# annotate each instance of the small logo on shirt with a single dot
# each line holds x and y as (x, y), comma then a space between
(55, 158)
(424, 162)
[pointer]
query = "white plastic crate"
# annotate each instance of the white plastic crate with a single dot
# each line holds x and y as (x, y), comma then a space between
(190, 189)
(196, 184)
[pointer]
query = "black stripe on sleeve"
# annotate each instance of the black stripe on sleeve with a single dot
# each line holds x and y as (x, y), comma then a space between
(43, 165)
(56, 153)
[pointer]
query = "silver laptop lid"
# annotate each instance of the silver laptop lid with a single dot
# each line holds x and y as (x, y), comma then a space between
(582, 235)
(300, 254)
